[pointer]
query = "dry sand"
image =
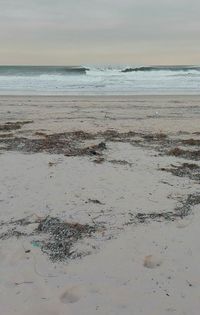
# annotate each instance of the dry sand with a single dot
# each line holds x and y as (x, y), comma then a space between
(138, 261)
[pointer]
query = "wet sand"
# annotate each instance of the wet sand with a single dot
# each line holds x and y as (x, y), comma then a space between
(127, 167)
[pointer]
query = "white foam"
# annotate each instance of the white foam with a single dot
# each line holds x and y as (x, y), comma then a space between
(104, 80)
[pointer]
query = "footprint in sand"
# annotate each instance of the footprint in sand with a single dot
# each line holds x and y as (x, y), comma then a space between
(72, 295)
(183, 224)
(152, 261)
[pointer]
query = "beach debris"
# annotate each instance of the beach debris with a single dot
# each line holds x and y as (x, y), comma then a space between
(68, 144)
(6, 135)
(61, 236)
(35, 244)
(154, 216)
(93, 150)
(99, 160)
(181, 211)
(24, 282)
(188, 154)
(189, 283)
(191, 142)
(166, 183)
(96, 201)
(40, 134)
(56, 238)
(120, 162)
(114, 135)
(176, 151)
(77, 143)
(185, 208)
(52, 164)
(14, 125)
(151, 261)
(12, 233)
(189, 170)
(155, 136)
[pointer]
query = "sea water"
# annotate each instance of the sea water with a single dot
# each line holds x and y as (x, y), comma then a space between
(99, 80)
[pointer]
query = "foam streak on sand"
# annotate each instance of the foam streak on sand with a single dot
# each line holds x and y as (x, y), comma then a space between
(99, 205)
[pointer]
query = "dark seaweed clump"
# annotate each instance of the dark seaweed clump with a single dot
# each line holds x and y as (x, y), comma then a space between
(69, 144)
(55, 237)
(187, 154)
(61, 237)
(8, 126)
(189, 170)
(181, 211)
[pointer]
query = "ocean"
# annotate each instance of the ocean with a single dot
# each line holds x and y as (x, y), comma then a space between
(99, 80)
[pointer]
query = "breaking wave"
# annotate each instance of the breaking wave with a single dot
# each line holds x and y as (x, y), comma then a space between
(162, 68)
(41, 70)
(99, 80)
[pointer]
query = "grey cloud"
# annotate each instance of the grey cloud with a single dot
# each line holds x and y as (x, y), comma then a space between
(64, 25)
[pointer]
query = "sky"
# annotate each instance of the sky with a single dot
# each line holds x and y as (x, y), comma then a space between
(75, 32)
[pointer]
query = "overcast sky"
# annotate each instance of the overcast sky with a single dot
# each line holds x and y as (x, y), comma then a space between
(99, 31)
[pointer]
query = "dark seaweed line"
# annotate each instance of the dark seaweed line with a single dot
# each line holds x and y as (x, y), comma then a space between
(180, 212)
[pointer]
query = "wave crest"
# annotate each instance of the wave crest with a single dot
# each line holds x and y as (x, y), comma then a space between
(161, 68)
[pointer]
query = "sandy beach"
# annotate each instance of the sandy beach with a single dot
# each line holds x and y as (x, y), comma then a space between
(99, 205)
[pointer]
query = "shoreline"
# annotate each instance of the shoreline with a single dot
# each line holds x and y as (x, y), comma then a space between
(100, 95)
